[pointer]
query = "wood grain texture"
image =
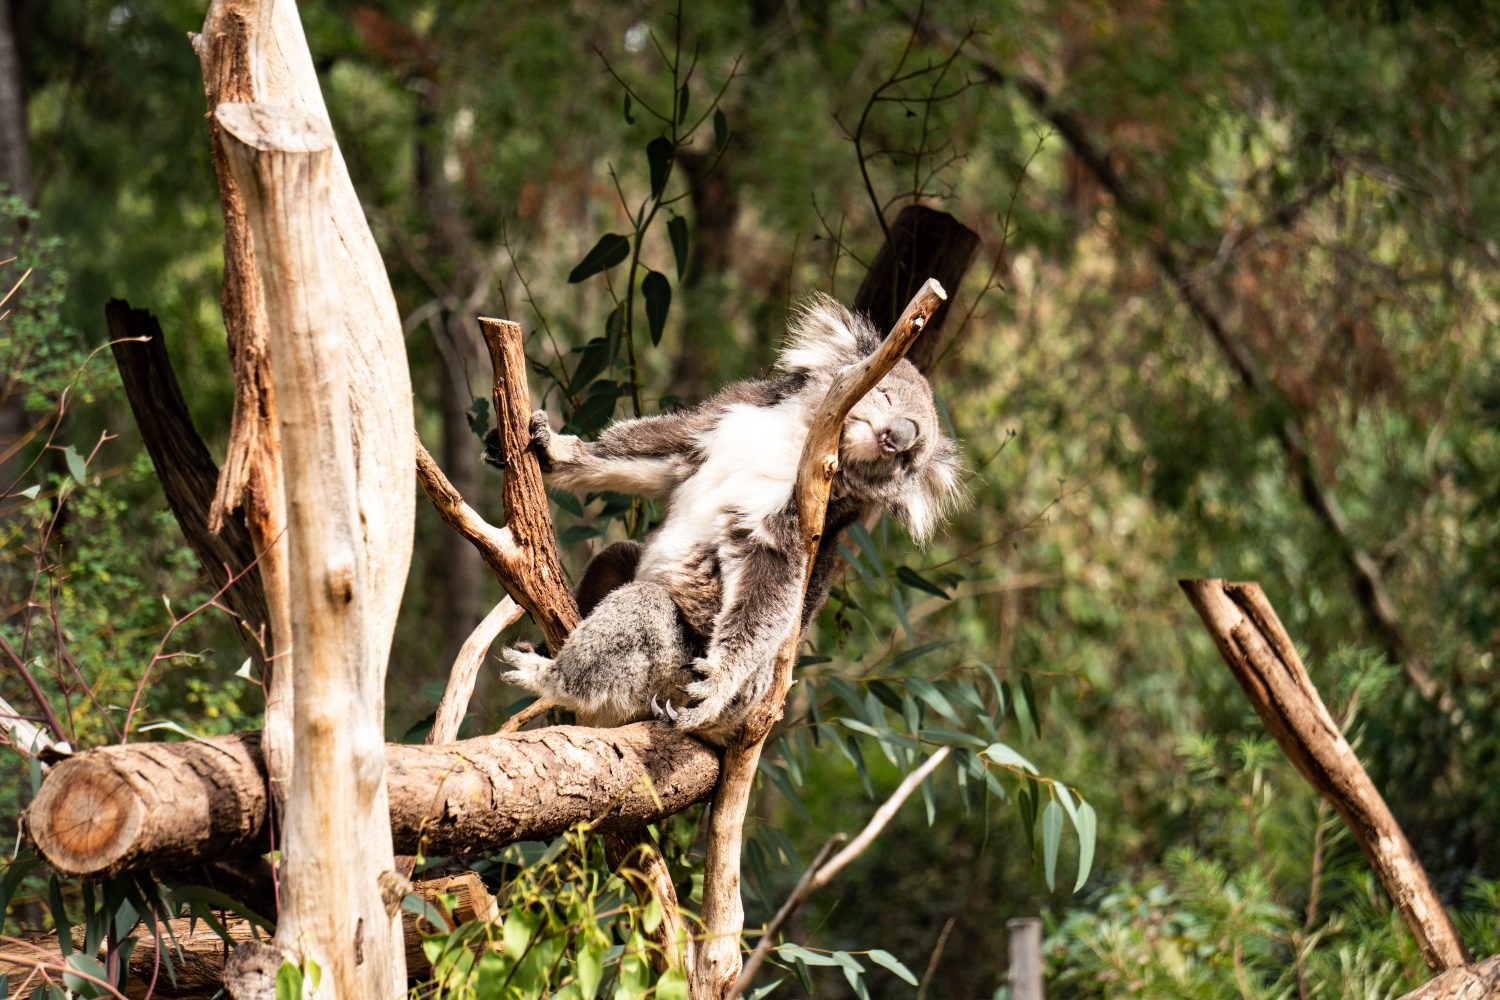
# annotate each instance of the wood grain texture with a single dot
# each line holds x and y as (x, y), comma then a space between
(1260, 654)
(336, 839)
(161, 806)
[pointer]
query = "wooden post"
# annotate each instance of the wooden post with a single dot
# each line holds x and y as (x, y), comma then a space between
(336, 844)
(1025, 958)
(716, 966)
(1262, 658)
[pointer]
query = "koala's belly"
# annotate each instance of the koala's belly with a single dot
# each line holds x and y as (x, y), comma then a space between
(693, 581)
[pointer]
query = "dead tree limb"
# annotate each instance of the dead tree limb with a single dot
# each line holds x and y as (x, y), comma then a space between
(1370, 588)
(186, 469)
(167, 806)
(465, 670)
(336, 836)
(717, 962)
(1262, 658)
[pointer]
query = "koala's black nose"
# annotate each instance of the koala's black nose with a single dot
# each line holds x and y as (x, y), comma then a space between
(898, 437)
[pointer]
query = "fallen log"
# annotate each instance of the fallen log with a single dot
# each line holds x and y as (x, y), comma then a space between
(197, 951)
(167, 805)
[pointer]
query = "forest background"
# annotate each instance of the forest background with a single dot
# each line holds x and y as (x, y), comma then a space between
(1200, 225)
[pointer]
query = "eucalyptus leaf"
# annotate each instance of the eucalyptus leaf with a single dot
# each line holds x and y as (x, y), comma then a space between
(1088, 825)
(677, 232)
(721, 129)
(1052, 822)
(659, 158)
(912, 578)
(611, 249)
(657, 292)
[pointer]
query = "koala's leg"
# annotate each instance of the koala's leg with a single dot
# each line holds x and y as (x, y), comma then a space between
(612, 567)
(761, 595)
(631, 648)
(648, 456)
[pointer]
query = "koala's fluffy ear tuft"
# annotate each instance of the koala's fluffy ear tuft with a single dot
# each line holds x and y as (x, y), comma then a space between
(938, 491)
(824, 336)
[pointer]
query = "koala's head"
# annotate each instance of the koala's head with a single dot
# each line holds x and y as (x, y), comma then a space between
(894, 453)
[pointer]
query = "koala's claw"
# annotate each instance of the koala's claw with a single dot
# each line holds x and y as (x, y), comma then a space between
(664, 710)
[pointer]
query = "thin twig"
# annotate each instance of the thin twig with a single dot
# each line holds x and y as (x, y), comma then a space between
(820, 873)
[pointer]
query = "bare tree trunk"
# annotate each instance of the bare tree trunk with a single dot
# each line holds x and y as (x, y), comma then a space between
(255, 50)
(336, 841)
(15, 142)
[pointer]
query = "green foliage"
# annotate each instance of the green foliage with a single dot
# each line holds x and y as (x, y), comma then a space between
(571, 929)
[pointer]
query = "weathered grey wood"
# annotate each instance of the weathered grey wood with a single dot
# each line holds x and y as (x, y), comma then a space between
(336, 842)
(1263, 660)
(1025, 958)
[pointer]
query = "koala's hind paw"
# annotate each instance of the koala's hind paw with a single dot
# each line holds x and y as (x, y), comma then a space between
(527, 668)
(664, 711)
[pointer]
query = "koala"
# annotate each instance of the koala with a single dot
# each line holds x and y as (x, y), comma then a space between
(685, 627)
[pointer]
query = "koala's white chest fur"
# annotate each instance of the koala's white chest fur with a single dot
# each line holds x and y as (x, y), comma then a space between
(747, 477)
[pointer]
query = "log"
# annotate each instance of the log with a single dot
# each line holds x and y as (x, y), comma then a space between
(171, 805)
(1263, 660)
(336, 840)
(198, 952)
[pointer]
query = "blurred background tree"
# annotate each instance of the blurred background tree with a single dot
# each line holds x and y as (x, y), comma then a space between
(1237, 264)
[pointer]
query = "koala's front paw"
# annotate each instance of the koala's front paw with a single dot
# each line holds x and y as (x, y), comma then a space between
(541, 439)
(706, 700)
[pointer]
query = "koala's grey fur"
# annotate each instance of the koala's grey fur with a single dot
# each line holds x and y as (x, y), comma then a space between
(692, 636)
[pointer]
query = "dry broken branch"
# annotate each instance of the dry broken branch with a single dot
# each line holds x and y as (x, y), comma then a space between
(1262, 658)
(465, 670)
(717, 963)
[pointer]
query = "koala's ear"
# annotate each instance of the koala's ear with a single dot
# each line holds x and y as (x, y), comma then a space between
(936, 492)
(823, 336)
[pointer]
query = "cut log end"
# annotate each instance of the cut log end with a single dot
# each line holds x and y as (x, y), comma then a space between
(86, 823)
